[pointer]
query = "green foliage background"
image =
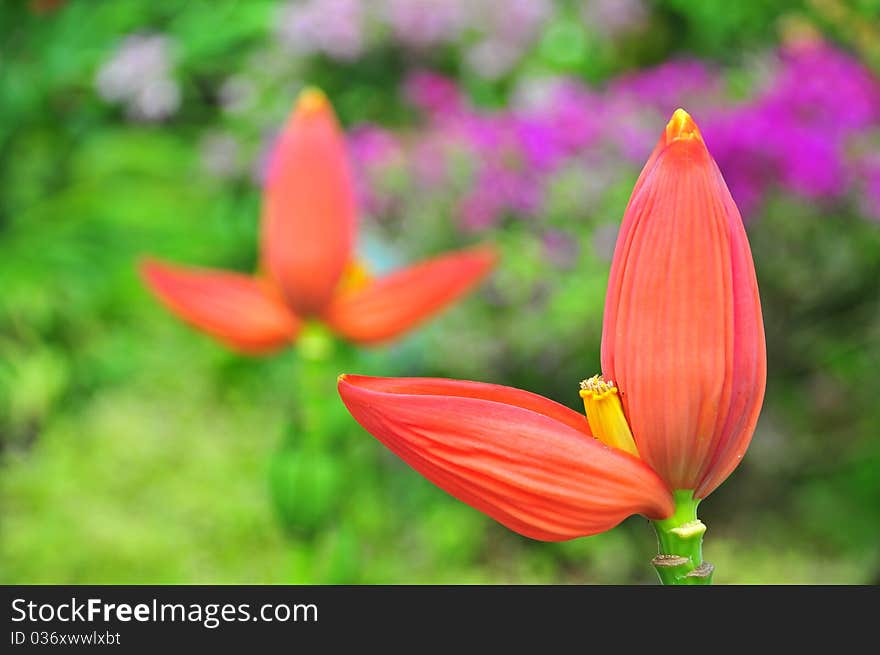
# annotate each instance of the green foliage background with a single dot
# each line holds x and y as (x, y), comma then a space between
(136, 451)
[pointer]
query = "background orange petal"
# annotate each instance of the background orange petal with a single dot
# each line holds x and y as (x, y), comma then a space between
(309, 210)
(506, 453)
(396, 303)
(236, 309)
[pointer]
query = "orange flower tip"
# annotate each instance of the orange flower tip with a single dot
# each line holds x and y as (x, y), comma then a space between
(311, 100)
(681, 127)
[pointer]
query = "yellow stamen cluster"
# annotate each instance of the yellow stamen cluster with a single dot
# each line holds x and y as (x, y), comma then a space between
(605, 414)
(597, 386)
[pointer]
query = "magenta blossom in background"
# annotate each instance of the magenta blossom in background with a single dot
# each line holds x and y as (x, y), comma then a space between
(373, 145)
(803, 121)
(669, 85)
(437, 96)
(800, 128)
(374, 151)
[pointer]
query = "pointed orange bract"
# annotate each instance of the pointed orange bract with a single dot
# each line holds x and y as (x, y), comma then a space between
(233, 308)
(309, 209)
(682, 334)
(388, 306)
(524, 460)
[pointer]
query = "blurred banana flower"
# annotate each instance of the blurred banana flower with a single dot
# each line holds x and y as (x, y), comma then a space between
(307, 266)
(684, 365)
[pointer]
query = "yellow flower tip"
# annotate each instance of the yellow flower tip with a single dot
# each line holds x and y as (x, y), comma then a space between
(605, 414)
(340, 377)
(311, 100)
(355, 277)
(681, 126)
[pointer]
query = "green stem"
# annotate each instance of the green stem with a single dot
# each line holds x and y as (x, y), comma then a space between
(300, 472)
(315, 383)
(680, 542)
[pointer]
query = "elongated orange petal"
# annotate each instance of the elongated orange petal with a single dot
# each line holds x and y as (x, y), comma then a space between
(391, 305)
(234, 308)
(308, 207)
(748, 372)
(524, 460)
(683, 337)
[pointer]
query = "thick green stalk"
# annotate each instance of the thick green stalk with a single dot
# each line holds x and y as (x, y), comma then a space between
(680, 542)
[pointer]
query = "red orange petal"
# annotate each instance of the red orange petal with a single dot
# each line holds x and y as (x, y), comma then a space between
(522, 459)
(234, 308)
(391, 305)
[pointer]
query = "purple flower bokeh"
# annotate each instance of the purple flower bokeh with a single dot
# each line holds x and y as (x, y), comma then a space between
(331, 27)
(794, 134)
(495, 34)
(139, 75)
